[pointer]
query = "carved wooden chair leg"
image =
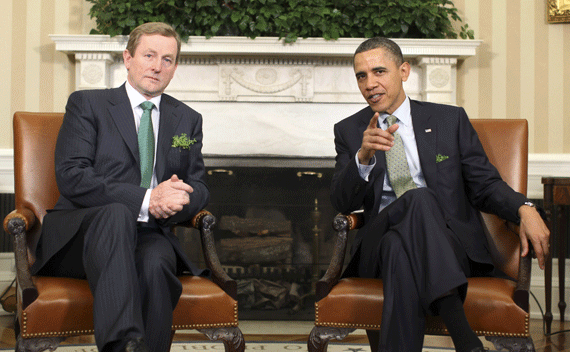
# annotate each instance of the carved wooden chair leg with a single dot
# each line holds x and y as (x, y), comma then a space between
(321, 335)
(512, 344)
(38, 344)
(231, 337)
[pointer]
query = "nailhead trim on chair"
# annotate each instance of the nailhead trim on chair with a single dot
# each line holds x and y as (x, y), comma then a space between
(203, 326)
(492, 333)
(50, 334)
(350, 222)
(438, 331)
(90, 332)
(342, 325)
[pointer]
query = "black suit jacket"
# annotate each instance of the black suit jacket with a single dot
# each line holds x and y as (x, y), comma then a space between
(97, 163)
(464, 182)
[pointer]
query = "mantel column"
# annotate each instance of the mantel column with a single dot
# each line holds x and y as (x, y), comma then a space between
(93, 70)
(438, 79)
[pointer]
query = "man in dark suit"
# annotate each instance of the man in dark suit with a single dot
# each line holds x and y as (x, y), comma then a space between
(420, 174)
(123, 184)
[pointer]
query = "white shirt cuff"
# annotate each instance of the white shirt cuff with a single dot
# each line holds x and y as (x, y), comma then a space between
(143, 214)
(365, 170)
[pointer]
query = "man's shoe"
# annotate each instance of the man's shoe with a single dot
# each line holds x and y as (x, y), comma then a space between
(136, 345)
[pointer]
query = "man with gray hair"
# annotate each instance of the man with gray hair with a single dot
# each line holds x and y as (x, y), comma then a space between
(122, 186)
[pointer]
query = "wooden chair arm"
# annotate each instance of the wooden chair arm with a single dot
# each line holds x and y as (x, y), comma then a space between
(342, 225)
(522, 295)
(205, 222)
(17, 223)
(522, 291)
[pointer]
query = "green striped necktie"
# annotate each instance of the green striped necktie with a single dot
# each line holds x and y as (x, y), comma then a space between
(146, 144)
(398, 168)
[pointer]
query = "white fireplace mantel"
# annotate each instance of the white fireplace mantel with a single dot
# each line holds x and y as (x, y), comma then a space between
(343, 47)
(266, 97)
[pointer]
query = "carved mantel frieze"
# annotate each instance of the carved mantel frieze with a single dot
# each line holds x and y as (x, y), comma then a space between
(266, 69)
(223, 76)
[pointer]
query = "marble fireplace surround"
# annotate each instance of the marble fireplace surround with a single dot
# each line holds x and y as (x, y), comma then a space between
(263, 98)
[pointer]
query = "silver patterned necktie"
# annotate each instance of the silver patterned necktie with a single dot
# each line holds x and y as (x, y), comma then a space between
(398, 168)
(146, 144)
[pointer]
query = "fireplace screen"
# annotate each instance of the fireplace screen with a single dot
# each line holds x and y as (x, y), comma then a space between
(273, 236)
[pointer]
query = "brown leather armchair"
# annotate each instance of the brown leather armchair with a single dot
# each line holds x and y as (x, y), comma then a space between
(496, 308)
(51, 309)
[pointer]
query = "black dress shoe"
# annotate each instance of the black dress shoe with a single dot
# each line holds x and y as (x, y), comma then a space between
(136, 345)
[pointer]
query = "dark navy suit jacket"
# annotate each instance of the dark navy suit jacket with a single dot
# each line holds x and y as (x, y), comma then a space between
(97, 163)
(465, 182)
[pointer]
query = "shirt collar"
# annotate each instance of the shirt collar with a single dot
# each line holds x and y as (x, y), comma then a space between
(403, 113)
(137, 98)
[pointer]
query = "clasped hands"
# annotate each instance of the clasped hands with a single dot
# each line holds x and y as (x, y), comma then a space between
(169, 197)
(374, 139)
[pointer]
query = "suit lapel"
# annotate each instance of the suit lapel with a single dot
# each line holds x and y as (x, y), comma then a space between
(425, 130)
(169, 120)
(122, 113)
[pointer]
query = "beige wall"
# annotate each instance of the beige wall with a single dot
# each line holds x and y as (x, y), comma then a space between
(38, 78)
(518, 72)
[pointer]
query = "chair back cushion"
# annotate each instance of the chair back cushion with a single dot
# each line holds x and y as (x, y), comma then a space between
(35, 135)
(506, 144)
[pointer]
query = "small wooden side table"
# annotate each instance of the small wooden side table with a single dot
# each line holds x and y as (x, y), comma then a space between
(556, 196)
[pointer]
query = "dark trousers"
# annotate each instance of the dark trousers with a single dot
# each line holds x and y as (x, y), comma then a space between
(409, 246)
(131, 272)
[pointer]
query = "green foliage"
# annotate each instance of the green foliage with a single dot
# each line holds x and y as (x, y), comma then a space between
(182, 141)
(288, 19)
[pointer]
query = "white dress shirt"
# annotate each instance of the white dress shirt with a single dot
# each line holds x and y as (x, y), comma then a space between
(406, 131)
(136, 99)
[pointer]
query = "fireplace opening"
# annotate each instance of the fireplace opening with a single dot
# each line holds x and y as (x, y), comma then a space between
(273, 236)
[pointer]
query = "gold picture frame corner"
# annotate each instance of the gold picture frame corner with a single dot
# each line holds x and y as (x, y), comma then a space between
(558, 11)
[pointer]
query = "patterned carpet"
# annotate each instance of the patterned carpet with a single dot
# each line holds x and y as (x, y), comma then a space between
(200, 346)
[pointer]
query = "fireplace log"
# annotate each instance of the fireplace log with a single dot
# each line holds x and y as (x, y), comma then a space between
(255, 226)
(256, 250)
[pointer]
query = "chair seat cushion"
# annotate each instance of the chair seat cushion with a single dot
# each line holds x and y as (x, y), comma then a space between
(489, 306)
(203, 304)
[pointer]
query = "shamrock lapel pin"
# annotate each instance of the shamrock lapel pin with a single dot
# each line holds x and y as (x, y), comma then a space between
(182, 141)
(440, 158)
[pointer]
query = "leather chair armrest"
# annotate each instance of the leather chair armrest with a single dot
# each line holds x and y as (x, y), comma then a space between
(342, 224)
(355, 220)
(26, 215)
(205, 222)
(17, 223)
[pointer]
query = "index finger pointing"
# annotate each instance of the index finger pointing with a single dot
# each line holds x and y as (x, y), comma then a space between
(374, 121)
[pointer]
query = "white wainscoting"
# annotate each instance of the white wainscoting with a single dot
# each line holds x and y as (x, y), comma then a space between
(537, 287)
(6, 171)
